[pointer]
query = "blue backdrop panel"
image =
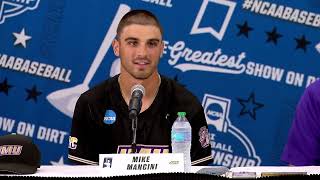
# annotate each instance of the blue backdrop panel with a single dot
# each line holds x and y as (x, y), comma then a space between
(247, 61)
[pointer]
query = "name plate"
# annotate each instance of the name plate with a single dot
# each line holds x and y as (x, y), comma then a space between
(127, 164)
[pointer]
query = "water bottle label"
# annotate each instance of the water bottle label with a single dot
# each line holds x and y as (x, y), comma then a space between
(180, 136)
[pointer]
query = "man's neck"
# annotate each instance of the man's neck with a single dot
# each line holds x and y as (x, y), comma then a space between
(151, 85)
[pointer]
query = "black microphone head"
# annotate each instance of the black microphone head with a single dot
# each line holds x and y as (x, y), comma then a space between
(138, 87)
(135, 103)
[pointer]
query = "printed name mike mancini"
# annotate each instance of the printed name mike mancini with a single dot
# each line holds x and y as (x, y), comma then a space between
(142, 166)
(140, 163)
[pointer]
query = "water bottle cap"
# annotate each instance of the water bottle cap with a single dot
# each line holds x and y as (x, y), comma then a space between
(181, 114)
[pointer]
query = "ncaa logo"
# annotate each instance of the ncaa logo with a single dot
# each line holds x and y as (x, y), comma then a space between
(11, 8)
(109, 117)
(230, 147)
(214, 112)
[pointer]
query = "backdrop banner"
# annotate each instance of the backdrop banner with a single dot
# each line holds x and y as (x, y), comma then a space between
(247, 61)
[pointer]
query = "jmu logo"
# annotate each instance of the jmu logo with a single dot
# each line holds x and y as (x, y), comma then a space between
(143, 149)
(9, 150)
(11, 8)
(230, 146)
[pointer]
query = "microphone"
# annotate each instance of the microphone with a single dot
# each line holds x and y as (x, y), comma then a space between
(137, 92)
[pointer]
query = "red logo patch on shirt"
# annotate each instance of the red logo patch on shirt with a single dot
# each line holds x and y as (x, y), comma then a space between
(204, 137)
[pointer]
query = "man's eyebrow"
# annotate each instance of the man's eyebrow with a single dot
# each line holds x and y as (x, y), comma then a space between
(136, 39)
(154, 39)
(131, 38)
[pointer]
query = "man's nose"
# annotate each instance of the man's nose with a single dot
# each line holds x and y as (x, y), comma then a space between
(142, 51)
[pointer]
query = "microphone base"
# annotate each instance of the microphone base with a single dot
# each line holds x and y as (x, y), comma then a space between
(133, 148)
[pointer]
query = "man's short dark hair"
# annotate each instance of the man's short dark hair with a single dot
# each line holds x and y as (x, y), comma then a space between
(139, 16)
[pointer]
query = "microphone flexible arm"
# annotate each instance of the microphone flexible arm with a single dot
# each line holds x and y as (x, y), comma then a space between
(134, 121)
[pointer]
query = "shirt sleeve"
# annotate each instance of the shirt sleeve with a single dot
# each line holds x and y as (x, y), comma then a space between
(81, 147)
(200, 146)
(303, 145)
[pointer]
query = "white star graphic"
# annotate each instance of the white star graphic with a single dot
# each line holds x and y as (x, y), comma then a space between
(59, 163)
(21, 38)
(318, 47)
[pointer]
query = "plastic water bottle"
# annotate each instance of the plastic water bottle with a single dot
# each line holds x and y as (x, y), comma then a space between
(181, 139)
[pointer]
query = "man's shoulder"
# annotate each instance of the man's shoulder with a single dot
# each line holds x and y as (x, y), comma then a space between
(100, 90)
(179, 92)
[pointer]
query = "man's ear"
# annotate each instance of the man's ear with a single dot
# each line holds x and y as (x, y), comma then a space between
(115, 45)
(162, 49)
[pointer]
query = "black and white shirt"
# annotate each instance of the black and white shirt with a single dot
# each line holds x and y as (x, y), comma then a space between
(101, 125)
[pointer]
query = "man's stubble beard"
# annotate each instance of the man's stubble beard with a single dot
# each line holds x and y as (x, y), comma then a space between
(139, 75)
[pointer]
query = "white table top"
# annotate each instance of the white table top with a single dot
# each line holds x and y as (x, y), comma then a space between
(79, 171)
(96, 171)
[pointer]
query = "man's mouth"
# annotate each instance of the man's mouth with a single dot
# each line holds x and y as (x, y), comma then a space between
(141, 62)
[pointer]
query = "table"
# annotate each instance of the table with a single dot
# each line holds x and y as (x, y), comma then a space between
(94, 172)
